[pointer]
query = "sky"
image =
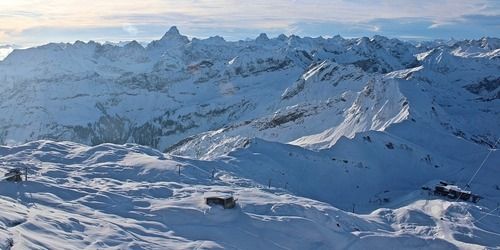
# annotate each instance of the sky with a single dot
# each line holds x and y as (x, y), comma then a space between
(35, 22)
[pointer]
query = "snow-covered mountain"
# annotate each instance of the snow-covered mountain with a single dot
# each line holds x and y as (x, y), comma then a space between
(301, 130)
(269, 88)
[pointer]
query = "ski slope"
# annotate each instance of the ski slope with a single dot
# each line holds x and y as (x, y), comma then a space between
(132, 197)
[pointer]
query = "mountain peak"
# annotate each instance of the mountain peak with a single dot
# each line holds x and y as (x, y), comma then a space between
(282, 37)
(173, 31)
(174, 34)
(171, 38)
(133, 45)
(262, 38)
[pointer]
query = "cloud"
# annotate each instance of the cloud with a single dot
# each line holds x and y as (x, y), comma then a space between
(147, 19)
(131, 29)
(488, 20)
(463, 27)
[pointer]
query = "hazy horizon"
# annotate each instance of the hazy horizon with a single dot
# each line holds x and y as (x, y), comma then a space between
(29, 23)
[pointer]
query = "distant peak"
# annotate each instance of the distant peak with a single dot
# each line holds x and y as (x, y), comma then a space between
(262, 38)
(133, 44)
(380, 38)
(337, 38)
(215, 39)
(173, 36)
(79, 43)
(282, 37)
(172, 33)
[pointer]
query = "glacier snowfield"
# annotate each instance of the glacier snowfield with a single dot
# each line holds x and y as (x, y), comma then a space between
(325, 143)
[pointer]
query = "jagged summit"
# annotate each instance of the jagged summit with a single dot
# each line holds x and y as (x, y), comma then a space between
(172, 33)
(262, 38)
(79, 43)
(134, 44)
(171, 39)
(282, 37)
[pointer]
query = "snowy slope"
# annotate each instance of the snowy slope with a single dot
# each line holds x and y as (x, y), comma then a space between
(5, 50)
(447, 94)
(130, 196)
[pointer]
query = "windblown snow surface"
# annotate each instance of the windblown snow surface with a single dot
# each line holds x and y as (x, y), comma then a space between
(132, 197)
(326, 144)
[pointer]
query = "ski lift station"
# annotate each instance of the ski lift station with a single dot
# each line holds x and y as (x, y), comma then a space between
(225, 200)
(454, 192)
